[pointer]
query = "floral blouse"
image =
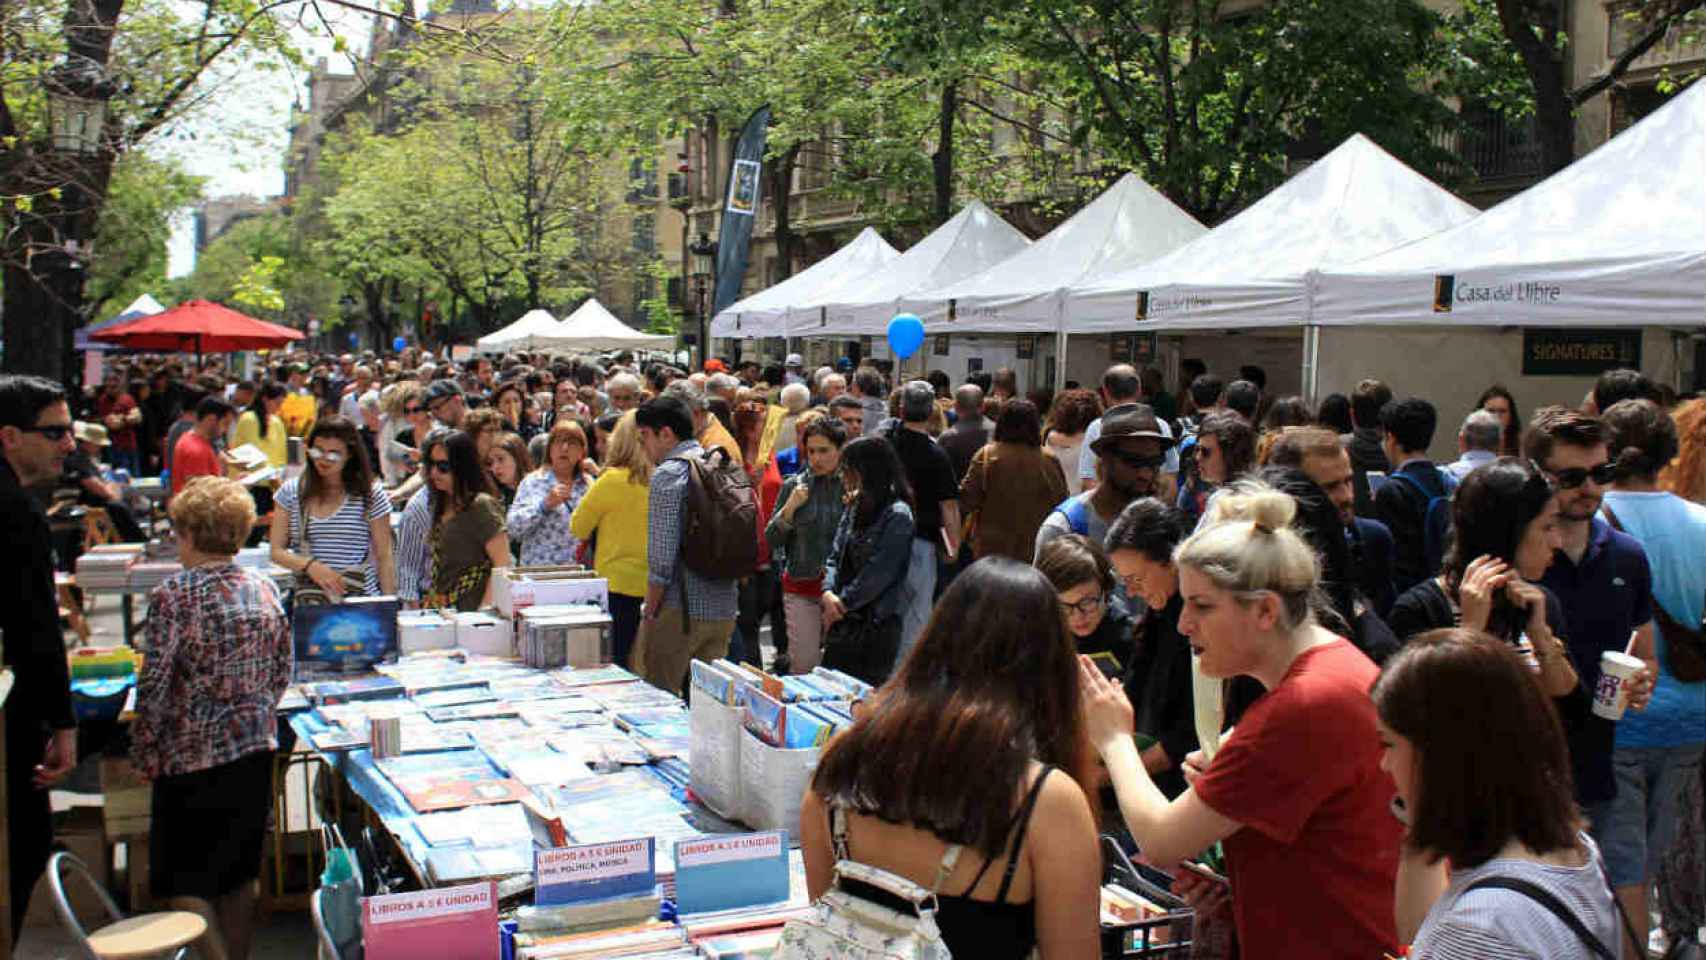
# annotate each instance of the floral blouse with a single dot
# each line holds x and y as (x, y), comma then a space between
(544, 534)
(218, 659)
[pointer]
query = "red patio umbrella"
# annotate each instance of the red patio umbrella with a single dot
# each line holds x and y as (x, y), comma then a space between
(201, 326)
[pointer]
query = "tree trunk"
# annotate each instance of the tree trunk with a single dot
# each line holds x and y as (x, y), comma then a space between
(1535, 42)
(38, 324)
(781, 200)
(942, 161)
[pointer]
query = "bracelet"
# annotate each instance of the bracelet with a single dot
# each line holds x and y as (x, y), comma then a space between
(307, 566)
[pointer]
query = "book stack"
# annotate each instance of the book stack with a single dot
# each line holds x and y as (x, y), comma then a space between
(652, 940)
(107, 567)
(563, 635)
(148, 574)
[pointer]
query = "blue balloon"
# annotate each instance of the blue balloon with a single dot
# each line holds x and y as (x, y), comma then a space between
(400, 344)
(906, 335)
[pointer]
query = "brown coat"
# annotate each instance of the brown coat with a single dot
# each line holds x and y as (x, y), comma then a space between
(1009, 490)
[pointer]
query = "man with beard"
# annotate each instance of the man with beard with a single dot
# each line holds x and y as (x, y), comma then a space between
(1322, 457)
(1602, 579)
(1132, 451)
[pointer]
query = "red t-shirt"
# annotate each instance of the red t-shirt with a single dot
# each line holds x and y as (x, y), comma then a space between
(769, 484)
(123, 438)
(1314, 865)
(193, 457)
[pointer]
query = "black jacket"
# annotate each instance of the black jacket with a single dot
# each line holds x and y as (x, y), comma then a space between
(1159, 687)
(1366, 454)
(29, 611)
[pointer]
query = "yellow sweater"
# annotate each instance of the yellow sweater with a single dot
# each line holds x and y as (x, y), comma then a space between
(275, 444)
(617, 509)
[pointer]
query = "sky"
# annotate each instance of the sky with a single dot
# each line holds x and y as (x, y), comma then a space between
(238, 139)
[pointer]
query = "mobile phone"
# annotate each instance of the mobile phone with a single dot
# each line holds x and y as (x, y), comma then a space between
(1107, 663)
(1191, 866)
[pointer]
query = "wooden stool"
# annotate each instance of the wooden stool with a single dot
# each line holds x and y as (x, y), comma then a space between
(149, 935)
(69, 606)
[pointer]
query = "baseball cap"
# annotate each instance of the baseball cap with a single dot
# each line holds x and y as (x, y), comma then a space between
(442, 390)
(794, 360)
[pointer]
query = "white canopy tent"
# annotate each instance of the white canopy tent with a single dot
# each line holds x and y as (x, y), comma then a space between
(975, 239)
(536, 330)
(837, 276)
(1128, 224)
(1615, 239)
(592, 327)
(1255, 269)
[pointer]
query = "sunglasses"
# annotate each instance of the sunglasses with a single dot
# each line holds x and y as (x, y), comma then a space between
(1573, 477)
(442, 466)
(1137, 461)
(1086, 606)
(414, 410)
(53, 434)
(329, 456)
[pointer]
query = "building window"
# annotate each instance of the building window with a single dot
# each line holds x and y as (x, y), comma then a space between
(645, 234)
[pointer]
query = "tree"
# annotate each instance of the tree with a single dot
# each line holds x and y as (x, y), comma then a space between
(130, 245)
(1206, 105)
(1534, 30)
(148, 63)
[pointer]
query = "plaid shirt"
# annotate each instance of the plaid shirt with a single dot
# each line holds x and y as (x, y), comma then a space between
(218, 658)
(706, 599)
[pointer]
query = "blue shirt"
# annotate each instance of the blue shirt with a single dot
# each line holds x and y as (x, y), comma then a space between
(1605, 597)
(789, 462)
(1673, 533)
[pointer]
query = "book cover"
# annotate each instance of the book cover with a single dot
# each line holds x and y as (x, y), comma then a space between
(452, 794)
(731, 870)
(488, 710)
(455, 923)
(598, 871)
(354, 634)
(454, 696)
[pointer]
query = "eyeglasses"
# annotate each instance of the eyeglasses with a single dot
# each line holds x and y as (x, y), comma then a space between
(1205, 453)
(53, 433)
(1572, 477)
(1086, 606)
(1137, 461)
(329, 456)
(441, 466)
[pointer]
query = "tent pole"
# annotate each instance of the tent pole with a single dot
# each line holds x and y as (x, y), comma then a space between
(1060, 343)
(1311, 363)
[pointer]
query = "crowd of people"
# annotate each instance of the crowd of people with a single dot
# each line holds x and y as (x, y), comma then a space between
(1048, 590)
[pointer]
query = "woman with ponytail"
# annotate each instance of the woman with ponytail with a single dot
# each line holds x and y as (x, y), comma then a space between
(1295, 790)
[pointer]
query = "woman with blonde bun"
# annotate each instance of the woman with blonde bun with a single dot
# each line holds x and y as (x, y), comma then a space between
(1295, 790)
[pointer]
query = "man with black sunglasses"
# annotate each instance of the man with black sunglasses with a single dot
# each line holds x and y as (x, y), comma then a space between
(1602, 579)
(41, 732)
(1131, 452)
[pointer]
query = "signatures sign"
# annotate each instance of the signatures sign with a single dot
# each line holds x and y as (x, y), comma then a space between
(1573, 352)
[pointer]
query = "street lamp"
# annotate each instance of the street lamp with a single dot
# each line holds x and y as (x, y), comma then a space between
(704, 252)
(77, 91)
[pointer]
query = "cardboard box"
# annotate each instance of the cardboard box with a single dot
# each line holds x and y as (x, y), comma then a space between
(485, 634)
(424, 630)
(516, 588)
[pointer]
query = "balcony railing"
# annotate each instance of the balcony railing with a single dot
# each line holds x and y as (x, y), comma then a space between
(1496, 148)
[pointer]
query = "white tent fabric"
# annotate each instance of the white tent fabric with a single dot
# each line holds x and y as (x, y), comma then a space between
(1255, 269)
(143, 306)
(592, 327)
(1615, 239)
(975, 239)
(1131, 223)
(838, 275)
(536, 330)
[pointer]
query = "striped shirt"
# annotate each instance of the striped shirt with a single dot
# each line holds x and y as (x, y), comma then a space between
(1498, 924)
(342, 540)
(414, 546)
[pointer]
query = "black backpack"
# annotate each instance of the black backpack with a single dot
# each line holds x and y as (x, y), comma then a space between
(1436, 514)
(719, 533)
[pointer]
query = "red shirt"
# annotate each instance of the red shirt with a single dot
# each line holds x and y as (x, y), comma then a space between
(193, 457)
(769, 484)
(1314, 865)
(123, 438)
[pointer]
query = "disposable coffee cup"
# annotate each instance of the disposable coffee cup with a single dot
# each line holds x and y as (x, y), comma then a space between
(1616, 669)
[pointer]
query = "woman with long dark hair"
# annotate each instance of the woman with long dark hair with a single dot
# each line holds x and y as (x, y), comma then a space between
(1499, 402)
(335, 519)
(1504, 531)
(1482, 811)
(993, 815)
(468, 537)
(1335, 414)
(262, 426)
(865, 572)
(1225, 450)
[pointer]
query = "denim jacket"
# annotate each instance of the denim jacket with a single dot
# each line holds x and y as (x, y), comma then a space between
(866, 568)
(800, 547)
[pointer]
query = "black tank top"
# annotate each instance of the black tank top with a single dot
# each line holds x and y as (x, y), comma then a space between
(987, 929)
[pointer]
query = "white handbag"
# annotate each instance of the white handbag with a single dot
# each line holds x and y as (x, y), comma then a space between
(845, 926)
